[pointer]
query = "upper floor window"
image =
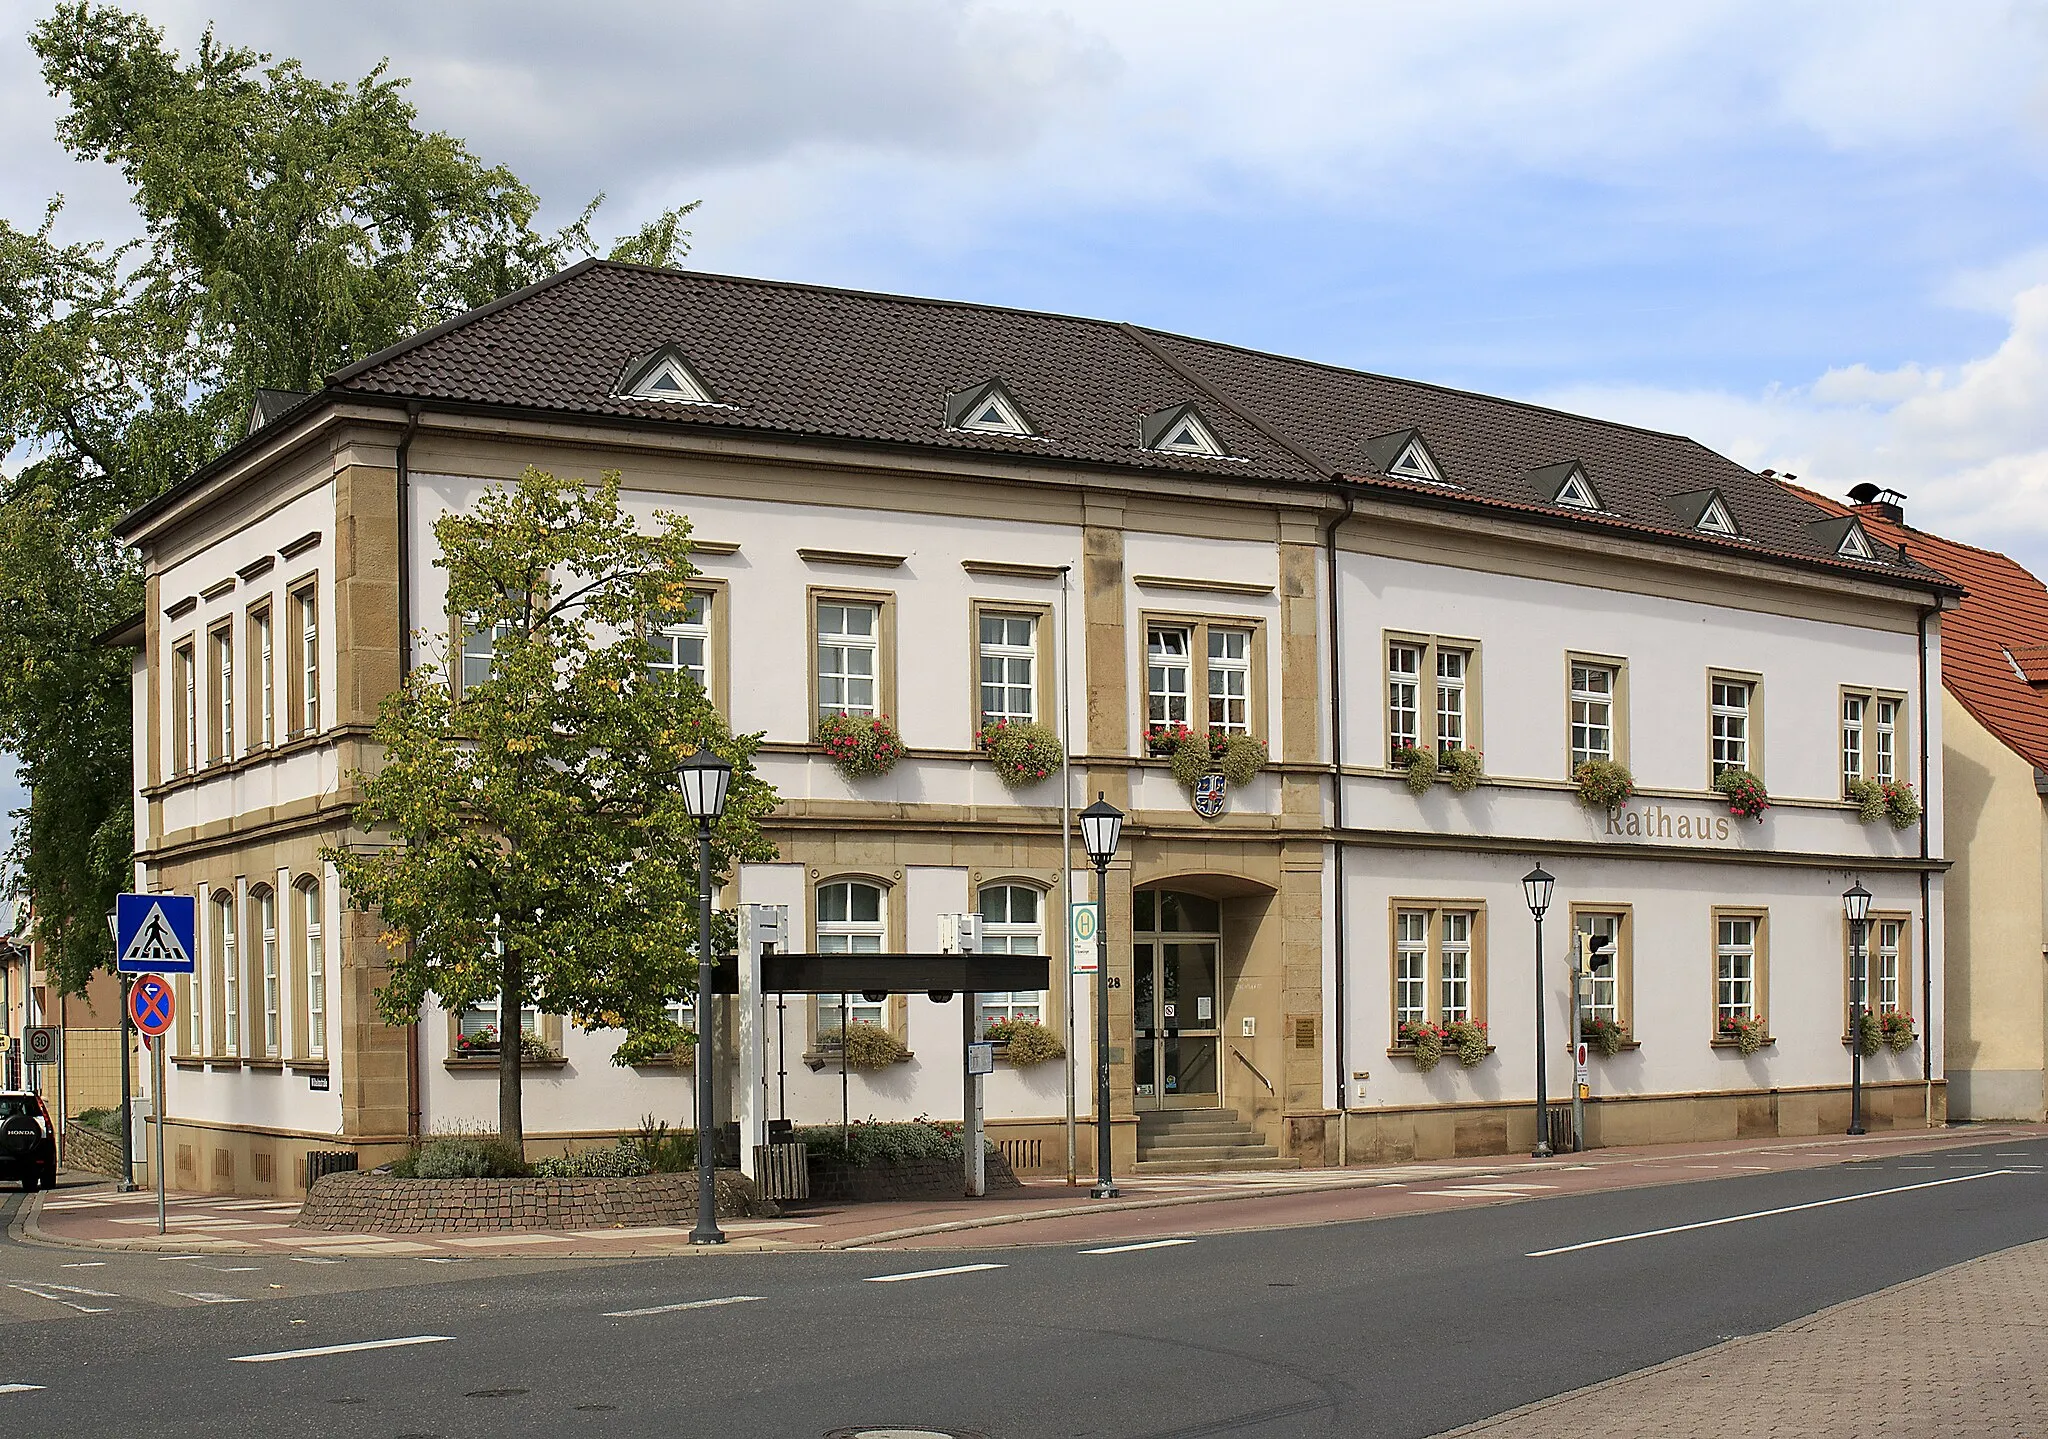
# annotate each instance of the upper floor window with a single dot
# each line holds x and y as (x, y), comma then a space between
(1731, 700)
(1011, 923)
(1169, 672)
(480, 651)
(850, 920)
(1885, 740)
(1592, 712)
(221, 646)
(681, 644)
(1230, 680)
(849, 658)
(1738, 974)
(1450, 697)
(305, 661)
(262, 681)
(1009, 667)
(185, 714)
(1432, 694)
(1218, 661)
(1404, 696)
(1853, 707)
(1870, 736)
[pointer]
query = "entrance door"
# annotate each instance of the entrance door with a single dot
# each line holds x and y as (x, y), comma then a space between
(1176, 1018)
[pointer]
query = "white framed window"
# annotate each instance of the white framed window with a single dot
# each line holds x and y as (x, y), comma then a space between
(682, 644)
(1886, 957)
(313, 931)
(1852, 738)
(185, 731)
(262, 681)
(1592, 717)
(851, 919)
(1009, 667)
(849, 650)
(273, 988)
(1012, 922)
(480, 651)
(1411, 967)
(223, 649)
(1169, 675)
(1605, 986)
(1456, 1004)
(1730, 724)
(1404, 695)
(483, 1015)
(1230, 680)
(1451, 665)
(306, 608)
(1885, 740)
(1735, 968)
(229, 963)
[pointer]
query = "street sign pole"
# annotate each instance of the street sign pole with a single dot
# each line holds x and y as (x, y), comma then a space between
(1578, 1040)
(127, 1184)
(156, 1048)
(152, 1005)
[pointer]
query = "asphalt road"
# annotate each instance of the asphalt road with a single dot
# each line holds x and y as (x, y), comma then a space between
(1392, 1327)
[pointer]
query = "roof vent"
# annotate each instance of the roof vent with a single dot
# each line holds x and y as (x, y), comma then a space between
(988, 409)
(269, 406)
(1889, 504)
(1180, 430)
(2030, 663)
(1566, 484)
(664, 375)
(1405, 455)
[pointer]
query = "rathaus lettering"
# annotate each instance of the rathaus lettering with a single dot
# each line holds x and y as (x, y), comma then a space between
(1656, 822)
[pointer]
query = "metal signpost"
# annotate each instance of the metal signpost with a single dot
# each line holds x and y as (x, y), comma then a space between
(153, 934)
(152, 1005)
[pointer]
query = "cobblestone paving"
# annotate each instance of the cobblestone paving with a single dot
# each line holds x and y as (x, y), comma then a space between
(1956, 1354)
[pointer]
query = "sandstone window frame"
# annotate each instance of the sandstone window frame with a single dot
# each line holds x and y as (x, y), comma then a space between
(716, 596)
(1874, 979)
(260, 671)
(883, 602)
(1883, 721)
(1759, 950)
(220, 707)
(887, 930)
(1043, 682)
(1201, 698)
(1430, 685)
(1616, 699)
(1438, 938)
(302, 682)
(1720, 734)
(1623, 979)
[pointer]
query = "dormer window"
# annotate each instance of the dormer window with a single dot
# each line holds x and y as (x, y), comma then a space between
(987, 409)
(1715, 519)
(665, 375)
(1405, 455)
(1567, 484)
(1180, 430)
(1706, 512)
(1854, 545)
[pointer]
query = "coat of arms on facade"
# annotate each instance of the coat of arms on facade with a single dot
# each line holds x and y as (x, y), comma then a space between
(1209, 795)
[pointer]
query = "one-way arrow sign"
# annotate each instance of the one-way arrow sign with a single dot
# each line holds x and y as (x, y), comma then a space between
(154, 933)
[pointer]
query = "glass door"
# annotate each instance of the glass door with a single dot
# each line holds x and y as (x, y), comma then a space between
(1175, 1015)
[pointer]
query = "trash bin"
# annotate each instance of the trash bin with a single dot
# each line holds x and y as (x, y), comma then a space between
(783, 1170)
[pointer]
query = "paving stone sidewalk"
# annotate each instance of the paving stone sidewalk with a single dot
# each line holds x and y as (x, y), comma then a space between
(1955, 1354)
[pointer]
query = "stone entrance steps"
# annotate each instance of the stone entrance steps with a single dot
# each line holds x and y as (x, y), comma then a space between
(1202, 1141)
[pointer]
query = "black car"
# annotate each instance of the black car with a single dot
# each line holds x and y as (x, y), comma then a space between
(28, 1140)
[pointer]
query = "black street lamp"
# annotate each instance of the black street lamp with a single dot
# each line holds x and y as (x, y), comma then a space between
(1856, 904)
(1102, 823)
(704, 778)
(1537, 885)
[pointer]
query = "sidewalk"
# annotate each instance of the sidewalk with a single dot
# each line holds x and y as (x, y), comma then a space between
(1044, 1212)
(1955, 1353)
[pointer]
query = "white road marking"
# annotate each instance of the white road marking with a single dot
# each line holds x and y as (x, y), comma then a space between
(58, 1299)
(207, 1296)
(234, 1268)
(326, 1349)
(71, 1289)
(19, 1388)
(1759, 1168)
(483, 1241)
(313, 1259)
(931, 1273)
(85, 1264)
(1133, 1248)
(678, 1308)
(1761, 1214)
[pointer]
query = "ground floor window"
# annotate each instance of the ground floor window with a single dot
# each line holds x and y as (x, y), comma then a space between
(1011, 923)
(1439, 972)
(1739, 960)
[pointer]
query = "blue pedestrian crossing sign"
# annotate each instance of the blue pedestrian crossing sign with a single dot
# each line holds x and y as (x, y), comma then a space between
(154, 933)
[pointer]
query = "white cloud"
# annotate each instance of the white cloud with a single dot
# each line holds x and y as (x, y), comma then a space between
(1968, 444)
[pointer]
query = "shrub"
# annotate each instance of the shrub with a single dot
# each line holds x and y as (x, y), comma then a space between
(1747, 1032)
(860, 746)
(1744, 793)
(106, 1121)
(1901, 805)
(1026, 1041)
(1465, 767)
(1427, 1040)
(663, 1042)
(478, 1155)
(1419, 763)
(1023, 754)
(872, 1141)
(867, 1046)
(619, 1161)
(666, 1151)
(1468, 1038)
(1897, 1028)
(1604, 784)
(1604, 1035)
(1869, 1033)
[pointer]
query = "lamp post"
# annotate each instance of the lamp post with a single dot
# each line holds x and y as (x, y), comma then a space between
(1856, 904)
(1537, 886)
(704, 778)
(1102, 823)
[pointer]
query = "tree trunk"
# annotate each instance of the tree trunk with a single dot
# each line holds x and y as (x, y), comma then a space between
(511, 1035)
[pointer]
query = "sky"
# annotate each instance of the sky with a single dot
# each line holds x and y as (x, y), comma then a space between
(1810, 235)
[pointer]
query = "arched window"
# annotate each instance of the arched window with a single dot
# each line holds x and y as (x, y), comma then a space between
(226, 976)
(271, 995)
(851, 920)
(1012, 922)
(312, 968)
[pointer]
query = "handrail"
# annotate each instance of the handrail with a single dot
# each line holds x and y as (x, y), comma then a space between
(1252, 1067)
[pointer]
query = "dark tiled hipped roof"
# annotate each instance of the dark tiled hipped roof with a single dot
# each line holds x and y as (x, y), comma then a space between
(804, 361)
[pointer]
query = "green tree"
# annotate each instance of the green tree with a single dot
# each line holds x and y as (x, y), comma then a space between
(540, 848)
(289, 226)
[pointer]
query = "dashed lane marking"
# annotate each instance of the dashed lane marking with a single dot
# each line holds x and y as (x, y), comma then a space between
(37, 1291)
(19, 1388)
(325, 1349)
(207, 1296)
(1133, 1248)
(678, 1308)
(931, 1273)
(85, 1264)
(1761, 1214)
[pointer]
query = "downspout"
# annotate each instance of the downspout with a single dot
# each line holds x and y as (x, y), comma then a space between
(1926, 900)
(1340, 1029)
(412, 425)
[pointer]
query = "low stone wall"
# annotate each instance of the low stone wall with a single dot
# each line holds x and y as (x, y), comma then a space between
(837, 1183)
(91, 1149)
(381, 1204)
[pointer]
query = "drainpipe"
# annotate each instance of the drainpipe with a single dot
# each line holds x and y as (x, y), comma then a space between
(1340, 1029)
(1926, 900)
(413, 1125)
